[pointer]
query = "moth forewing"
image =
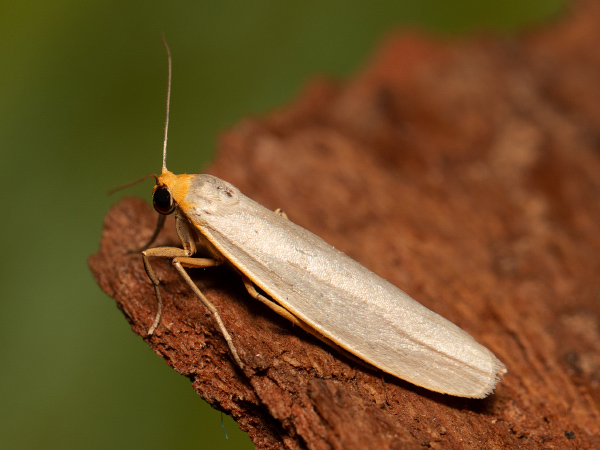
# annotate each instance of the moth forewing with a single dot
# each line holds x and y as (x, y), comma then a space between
(333, 294)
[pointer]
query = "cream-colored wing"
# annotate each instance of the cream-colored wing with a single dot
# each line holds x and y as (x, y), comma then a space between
(338, 297)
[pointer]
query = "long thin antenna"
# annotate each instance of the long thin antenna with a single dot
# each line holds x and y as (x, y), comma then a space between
(164, 165)
(132, 183)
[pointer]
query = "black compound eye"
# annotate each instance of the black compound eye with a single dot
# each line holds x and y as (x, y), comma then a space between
(163, 201)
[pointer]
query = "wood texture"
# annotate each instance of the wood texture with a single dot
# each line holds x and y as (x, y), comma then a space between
(466, 173)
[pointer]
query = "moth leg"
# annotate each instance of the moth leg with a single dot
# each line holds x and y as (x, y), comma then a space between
(281, 213)
(180, 259)
(169, 253)
(162, 252)
(179, 263)
(271, 304)
(285, 313)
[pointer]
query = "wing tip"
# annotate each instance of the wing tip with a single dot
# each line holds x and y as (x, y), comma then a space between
(495, 375)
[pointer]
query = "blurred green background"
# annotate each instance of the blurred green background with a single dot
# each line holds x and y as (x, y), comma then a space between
(82, 107)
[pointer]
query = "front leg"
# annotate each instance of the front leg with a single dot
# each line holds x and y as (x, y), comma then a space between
(180, 259)
(174, 254)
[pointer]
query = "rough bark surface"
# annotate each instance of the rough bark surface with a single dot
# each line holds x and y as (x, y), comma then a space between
(466, 173)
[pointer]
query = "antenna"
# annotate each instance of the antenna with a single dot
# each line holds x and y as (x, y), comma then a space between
(164, 164)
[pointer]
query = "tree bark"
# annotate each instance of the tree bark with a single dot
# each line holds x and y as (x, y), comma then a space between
(468, 174)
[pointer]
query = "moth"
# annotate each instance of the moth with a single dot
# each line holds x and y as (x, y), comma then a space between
(313, 285)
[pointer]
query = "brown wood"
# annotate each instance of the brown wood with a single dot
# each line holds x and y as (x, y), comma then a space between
(466, 173)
